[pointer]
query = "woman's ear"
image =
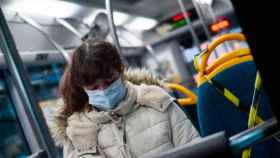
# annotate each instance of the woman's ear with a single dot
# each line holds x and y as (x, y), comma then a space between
(122, 76)
(122, 68)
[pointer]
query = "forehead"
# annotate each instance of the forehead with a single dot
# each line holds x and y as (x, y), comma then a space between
(112, 75)
(103, 81)
(108, 77)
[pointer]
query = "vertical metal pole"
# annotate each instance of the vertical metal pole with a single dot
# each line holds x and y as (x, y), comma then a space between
(113, 29)
(200, 16)
(214, 19)
(194, 36)
(204, 25)
(24, 88)
(210, 11)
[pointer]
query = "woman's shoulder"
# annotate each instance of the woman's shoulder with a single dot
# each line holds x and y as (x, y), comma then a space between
(153, 96)
(150, 89)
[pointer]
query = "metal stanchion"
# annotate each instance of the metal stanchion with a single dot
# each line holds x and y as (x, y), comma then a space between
(22, 83)
(113, 29)
(204, 25)
(194, 36)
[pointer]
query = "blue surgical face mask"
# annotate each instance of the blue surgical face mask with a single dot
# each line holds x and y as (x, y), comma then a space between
(107, 99)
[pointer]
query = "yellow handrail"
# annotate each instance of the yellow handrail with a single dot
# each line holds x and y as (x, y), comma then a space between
(211, 47)
(191, 100)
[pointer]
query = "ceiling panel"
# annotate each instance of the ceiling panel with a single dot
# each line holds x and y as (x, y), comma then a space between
(156, 9)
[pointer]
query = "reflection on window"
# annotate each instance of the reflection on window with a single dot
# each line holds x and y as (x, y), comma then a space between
(12, 142)
(45, 80)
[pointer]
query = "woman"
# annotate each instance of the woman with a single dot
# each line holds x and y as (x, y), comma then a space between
(112, 113)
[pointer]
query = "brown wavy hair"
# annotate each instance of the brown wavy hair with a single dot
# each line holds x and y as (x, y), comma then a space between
(94, 59)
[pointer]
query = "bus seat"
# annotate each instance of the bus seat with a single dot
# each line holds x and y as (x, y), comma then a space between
(236, 72)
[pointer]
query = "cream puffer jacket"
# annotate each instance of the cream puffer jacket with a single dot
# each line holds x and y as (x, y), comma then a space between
(147, 122)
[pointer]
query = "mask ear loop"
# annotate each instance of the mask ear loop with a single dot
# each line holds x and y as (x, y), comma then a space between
(124, 82)
(123, 79)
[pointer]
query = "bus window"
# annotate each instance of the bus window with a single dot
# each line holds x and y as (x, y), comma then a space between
(12, 141)
(45, 80)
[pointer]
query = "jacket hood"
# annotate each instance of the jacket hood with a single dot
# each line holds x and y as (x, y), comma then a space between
(142, 76)
(148, 92)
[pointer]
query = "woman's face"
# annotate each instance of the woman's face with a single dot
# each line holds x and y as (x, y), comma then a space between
(101, 84)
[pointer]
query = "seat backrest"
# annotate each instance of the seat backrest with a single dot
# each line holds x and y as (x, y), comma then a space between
(187, 103)
(237, 72)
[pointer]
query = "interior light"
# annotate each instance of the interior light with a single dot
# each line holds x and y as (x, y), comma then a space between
(140, 23)
(120, 18)
(52, 8)
(209, 2)
(220, 25)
